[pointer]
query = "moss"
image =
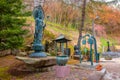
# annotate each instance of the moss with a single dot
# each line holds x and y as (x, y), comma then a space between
(4, 75)
(71, 49)
(72, 61)
(48, 34)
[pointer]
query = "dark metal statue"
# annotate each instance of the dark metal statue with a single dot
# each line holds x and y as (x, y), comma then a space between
(38, 14)
(76, 49)
(108, 49)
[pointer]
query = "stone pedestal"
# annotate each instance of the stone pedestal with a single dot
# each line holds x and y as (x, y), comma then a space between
(62, 71)
(38, 62)
(76, 57)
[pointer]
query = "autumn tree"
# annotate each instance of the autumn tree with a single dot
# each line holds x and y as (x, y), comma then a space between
(82, 23)
(61, 13)
(110, 19)
(108, 16)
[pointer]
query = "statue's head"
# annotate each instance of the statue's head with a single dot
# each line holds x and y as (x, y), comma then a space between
(38, 12)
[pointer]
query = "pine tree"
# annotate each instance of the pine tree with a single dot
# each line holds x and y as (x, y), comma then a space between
(11, 23)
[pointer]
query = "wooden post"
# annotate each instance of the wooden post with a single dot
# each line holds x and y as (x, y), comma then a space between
(60, 46)
(66, 45)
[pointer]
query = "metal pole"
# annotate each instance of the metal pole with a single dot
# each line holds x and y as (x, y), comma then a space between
(93, 26)
(93, 30)
(91, 58)
(95, 48)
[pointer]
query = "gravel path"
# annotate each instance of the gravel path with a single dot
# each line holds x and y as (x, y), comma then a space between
(75, 74)
(113, 69)
(112, 66)
(10, 61)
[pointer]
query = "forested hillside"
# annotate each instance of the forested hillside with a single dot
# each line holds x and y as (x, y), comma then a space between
(62, 18)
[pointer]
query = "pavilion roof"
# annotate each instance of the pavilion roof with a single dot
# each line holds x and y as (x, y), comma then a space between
(62, 39)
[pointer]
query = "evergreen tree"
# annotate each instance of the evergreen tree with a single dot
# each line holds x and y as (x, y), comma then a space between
(11, 23)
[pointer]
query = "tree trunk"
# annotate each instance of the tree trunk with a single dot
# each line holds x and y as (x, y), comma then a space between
(82, 24)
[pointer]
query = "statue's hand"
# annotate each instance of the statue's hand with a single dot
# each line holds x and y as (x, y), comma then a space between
(44, 25)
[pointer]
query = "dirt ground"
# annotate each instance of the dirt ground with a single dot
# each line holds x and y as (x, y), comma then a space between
(9, 64)
(8, 61)
(13, 64)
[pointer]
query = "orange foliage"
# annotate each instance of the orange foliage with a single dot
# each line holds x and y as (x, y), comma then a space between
(60, 12)
(109, 17)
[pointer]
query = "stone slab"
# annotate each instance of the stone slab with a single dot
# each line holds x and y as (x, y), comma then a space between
(97, 75)
(87, 65)
(38, 62)
(112, 54)
(77, 57)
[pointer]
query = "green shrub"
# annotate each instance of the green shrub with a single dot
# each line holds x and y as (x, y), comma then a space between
(11, 23)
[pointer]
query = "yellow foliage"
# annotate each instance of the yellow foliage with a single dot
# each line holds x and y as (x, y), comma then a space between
(4, 75)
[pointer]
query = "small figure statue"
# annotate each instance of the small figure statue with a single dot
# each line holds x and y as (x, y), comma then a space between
(76, 50)
(108, 49)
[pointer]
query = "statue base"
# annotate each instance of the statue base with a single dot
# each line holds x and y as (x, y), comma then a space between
(38, 47)
(38, 54)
